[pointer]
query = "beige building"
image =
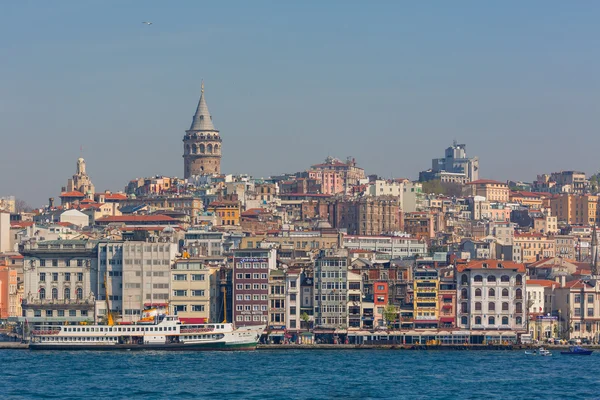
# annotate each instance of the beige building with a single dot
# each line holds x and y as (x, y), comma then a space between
(578, 304)
(575, 209)
(190, 291)
(546, 224)
(490, 189)
(534, 246)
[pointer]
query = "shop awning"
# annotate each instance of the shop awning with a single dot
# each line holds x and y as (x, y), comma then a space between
(447, 319)
(446, 306)
(446, 296)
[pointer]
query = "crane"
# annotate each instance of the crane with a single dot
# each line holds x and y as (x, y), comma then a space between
(109, 317)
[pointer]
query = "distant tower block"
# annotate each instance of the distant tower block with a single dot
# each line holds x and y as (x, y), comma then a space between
(202, 144)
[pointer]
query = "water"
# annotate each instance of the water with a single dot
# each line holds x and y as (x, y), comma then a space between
(297, 374)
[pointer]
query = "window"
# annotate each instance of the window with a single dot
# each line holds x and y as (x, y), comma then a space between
(590, 312)
(72, 313)
(464, 293)
(80, 263)
(79, 277)
(590, 299)
(37, 313)
(179, 293)
(55, 277)
(180, 277)
(49, 313)
(463, 307)
(491, 306)
(67, 293)
(477, 320)
(491, 278)
(505, 306)
(198, 293)
(504, 320)
(463, 320)
(60, 313)
(197, 307)
(478, 278)
(519, 307)
(198, 277)
(42, 263)
(504, 292)
(491, 321)
(42, 277)
(55, 263)
(42, 293)
(54, 294)
(519, 294)
(180, 308)
(477, 306)
(67, 276)
(477, 292)
(79, 293)
(578, 312)
(492, 293)
(292, 310)
(519, 280)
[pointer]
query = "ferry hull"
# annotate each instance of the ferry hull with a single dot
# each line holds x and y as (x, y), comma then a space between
(141, 347)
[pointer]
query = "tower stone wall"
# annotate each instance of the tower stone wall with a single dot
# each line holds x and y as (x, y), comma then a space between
(202, 144)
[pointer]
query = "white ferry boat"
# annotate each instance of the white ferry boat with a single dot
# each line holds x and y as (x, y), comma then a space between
(168, 333)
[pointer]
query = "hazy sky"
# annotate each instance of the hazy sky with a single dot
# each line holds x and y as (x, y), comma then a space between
(390, 83)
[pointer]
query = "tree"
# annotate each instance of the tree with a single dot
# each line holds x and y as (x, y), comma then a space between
(434, 187)
(305, 318)
(21, 206)
(389, 315)
(444, 188)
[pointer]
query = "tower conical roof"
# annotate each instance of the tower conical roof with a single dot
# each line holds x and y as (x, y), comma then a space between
(202, 119)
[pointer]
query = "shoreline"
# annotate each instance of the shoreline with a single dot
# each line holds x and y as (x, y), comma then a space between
(274, 347)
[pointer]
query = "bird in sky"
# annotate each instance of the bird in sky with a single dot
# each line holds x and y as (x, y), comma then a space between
(147, 23)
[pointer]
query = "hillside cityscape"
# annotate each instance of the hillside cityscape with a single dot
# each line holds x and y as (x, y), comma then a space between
(330, 254)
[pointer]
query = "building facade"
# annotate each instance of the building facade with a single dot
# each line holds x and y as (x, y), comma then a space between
(491, 295)
(251, 269)
(331, 289)
(190, 291)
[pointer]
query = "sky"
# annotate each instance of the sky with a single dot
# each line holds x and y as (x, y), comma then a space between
(390, 83)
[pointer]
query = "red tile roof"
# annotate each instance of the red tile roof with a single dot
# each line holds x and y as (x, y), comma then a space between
(491, 264)
(21, 224)
(137, 218)
(542, 282)
(74, 193)
(115, 196)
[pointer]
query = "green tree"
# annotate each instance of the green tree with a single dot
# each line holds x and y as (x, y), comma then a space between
(389, 315)
(305, 318)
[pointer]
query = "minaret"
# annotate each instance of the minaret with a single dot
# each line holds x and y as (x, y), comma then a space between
(201, 143)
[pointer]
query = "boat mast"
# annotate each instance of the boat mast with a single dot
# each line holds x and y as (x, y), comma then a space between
(109, 317)
(225, 305)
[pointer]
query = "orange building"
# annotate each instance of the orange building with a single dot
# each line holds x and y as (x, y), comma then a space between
(228, 211)
(575, 209)
(8, 292)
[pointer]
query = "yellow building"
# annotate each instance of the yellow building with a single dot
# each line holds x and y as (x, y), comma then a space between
(534, 246)
(533, 201)
(546, 224)
(575, 209)
(426, 286)
(490, 189)
(190, 291)
(228, 211)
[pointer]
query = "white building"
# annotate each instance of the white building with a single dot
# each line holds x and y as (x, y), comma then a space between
(75, 217)
(5, 243)
(138, 275)
(491, 295)
(382, 187)
(59, 281)
(412, 196)
(390, 246)
(331, 289)
(293, 299)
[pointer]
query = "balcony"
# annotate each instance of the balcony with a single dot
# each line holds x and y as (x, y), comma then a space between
(62, 304)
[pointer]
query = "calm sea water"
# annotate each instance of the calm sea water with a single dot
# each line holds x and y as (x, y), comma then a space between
(280, 374)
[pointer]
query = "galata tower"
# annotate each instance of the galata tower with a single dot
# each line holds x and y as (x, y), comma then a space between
(201, 143)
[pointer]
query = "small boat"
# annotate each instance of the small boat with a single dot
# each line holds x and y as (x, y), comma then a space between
(539, 352)
(577, 351)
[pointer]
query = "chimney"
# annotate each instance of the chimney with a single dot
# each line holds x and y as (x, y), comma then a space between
(51, 202)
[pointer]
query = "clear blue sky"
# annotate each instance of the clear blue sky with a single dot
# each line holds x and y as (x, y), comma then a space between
(391, 83)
